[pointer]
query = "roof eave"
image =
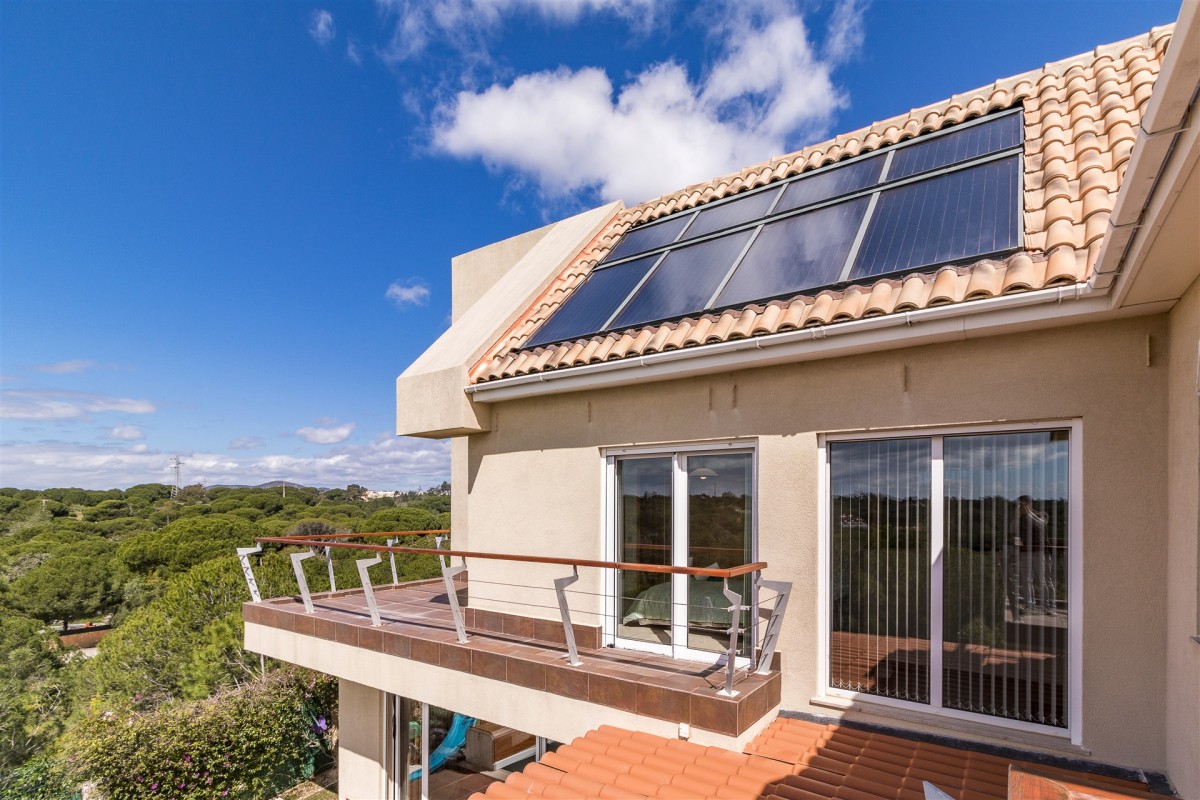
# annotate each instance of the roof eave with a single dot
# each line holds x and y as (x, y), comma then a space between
(1013, 313)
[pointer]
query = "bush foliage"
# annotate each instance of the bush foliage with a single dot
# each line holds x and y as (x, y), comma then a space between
(248, 743)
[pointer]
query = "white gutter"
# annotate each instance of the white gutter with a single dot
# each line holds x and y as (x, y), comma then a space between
(1165, 120)
(950, 322)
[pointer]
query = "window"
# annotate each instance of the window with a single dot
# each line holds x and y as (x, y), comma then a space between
(952, 196)
(683, 507)
(949, 578)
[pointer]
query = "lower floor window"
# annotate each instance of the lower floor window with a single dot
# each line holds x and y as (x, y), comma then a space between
(948, 569)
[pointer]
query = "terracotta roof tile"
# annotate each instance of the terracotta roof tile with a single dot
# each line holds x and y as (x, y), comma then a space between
(1081, 116)
(789, 759)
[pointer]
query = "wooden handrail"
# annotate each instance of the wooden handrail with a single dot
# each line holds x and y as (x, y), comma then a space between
(703, 572)
(365, 535)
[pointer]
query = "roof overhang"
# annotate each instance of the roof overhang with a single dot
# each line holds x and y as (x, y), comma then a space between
(1009, 314)
(1151, 251)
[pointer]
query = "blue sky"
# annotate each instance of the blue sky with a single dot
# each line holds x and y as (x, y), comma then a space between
(225, 227)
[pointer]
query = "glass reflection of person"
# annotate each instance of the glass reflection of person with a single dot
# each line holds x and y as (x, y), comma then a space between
(1034, 569)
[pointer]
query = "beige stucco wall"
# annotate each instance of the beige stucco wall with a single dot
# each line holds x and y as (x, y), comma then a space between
(533, 485)
(361, 745)
(1183, 542)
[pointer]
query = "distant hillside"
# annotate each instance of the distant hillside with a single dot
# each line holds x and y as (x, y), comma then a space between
(269, 485)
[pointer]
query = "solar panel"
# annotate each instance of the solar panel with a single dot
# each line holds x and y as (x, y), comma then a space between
(591, 305)
(796, 253)
(726, 215)
(954, 148)
(684, 281)
(649, 237)
(825, 185)
(971, 212)
(958, 199)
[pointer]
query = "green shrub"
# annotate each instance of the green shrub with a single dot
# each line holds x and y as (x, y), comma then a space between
(40, 778)
(249, 742)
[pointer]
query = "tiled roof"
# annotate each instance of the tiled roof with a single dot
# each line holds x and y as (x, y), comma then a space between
(790, 760)
(1081, 118)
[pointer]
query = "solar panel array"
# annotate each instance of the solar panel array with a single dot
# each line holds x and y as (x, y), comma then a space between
(944, 198)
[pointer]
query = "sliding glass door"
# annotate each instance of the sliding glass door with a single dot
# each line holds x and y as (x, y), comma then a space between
(683, 509)
(948, 572)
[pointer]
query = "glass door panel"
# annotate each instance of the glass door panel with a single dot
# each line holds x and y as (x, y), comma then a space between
(1005, 586)
(720, 529)
(879, 568)
(644, 536)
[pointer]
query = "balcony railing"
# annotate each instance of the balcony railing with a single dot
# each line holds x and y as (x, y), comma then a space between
(738, 605)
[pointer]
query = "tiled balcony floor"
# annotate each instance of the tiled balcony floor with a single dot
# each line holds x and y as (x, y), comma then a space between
(417, 624)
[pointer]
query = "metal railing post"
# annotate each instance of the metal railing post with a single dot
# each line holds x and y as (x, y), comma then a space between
(244, 554)
(302, 581)
(392, 560)
(560, 588)
(363, 565)
(448, 573)
(774, 624)
(329, 563)
(735, 609)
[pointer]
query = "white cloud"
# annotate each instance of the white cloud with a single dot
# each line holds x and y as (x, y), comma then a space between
(388, 462)
(52, 404)
(321, 27)
(467, 25)
(569, 131)
(247, 443)
(67, 367)
(844, 39)
(126, 433)
(352, 52)
(327, 435)
(408, 293)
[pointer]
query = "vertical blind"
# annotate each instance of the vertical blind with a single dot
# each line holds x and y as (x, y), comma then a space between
(879, 567)
(1003, 571)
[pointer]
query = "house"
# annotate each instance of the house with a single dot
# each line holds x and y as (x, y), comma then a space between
(924, 399)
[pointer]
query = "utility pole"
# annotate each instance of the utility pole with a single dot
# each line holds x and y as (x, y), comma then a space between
(175, 465)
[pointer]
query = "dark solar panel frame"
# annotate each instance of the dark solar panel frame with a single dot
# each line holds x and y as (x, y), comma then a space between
(580, 314)
(903, 234)
(931, 159)
(670, 291)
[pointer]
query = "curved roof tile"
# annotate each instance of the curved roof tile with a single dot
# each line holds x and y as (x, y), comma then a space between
(1081, 116)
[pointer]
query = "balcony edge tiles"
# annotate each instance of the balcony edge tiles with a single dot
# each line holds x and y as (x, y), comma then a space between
(1081, 118)
(604, 678)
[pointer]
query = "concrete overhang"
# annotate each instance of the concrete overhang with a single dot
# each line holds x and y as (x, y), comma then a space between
(493, 286)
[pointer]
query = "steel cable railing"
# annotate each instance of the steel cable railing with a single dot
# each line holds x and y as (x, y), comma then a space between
(764, 637)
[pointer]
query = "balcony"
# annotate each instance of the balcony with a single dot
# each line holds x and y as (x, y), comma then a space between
(432, 622)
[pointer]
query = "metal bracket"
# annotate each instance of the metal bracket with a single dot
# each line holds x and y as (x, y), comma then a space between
(560, 587)
(774, 624)
(392, 561)
(244, 554)
(735, 609)
(329, 564)
(363, 565)
(302, 581)
(448, 573)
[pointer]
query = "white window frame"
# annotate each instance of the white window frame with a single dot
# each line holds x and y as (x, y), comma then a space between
(610, 537)
(1074, 729)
